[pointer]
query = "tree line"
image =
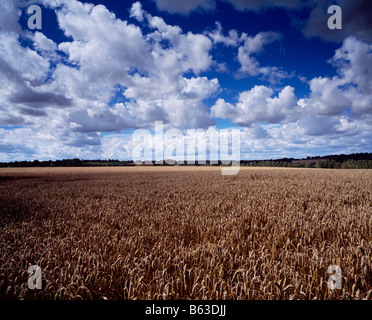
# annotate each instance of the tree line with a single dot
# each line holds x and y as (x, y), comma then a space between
(351, 161)
(326, 164)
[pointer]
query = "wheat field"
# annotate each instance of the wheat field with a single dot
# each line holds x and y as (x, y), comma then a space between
(185, 233)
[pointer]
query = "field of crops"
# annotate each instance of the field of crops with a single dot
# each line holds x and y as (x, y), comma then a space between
(185, 233)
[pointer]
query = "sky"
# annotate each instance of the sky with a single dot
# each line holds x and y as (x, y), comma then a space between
(98, 70)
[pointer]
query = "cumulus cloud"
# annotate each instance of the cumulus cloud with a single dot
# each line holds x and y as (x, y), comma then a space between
(217, 36)
(336, 115)
(23, 71)
(166, 87)
(326, 97)
(257, 105)
(311, 135)
(248, 49)
(136, 11)
(111, 75)
(42, 43)
(334, 105)
(9, 16)
(350, 89)
(44, 144)
(250, 65)
(23, 61)
(78, 90)
(354, 62)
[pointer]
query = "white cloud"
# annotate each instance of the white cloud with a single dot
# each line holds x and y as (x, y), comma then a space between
(326, 97)
(249, 64)
(111, 52)
(252, 45)
(9, 16)
(42, 43)
(350, 89)
(117, 75)
(354, 60)
(248, 48)
(327, 102)
(217, 36)
(257, 105)
(101, 43)
(136, 11)
(185, 52)
(117, 146)
(106, 58)
(23, 61)
(44, 144)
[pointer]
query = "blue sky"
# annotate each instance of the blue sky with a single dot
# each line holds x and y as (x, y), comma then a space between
(98, 70)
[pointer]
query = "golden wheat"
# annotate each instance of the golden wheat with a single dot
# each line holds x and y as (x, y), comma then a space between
(185, 233)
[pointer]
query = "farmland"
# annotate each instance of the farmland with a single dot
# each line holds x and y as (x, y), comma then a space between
(185, 233)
